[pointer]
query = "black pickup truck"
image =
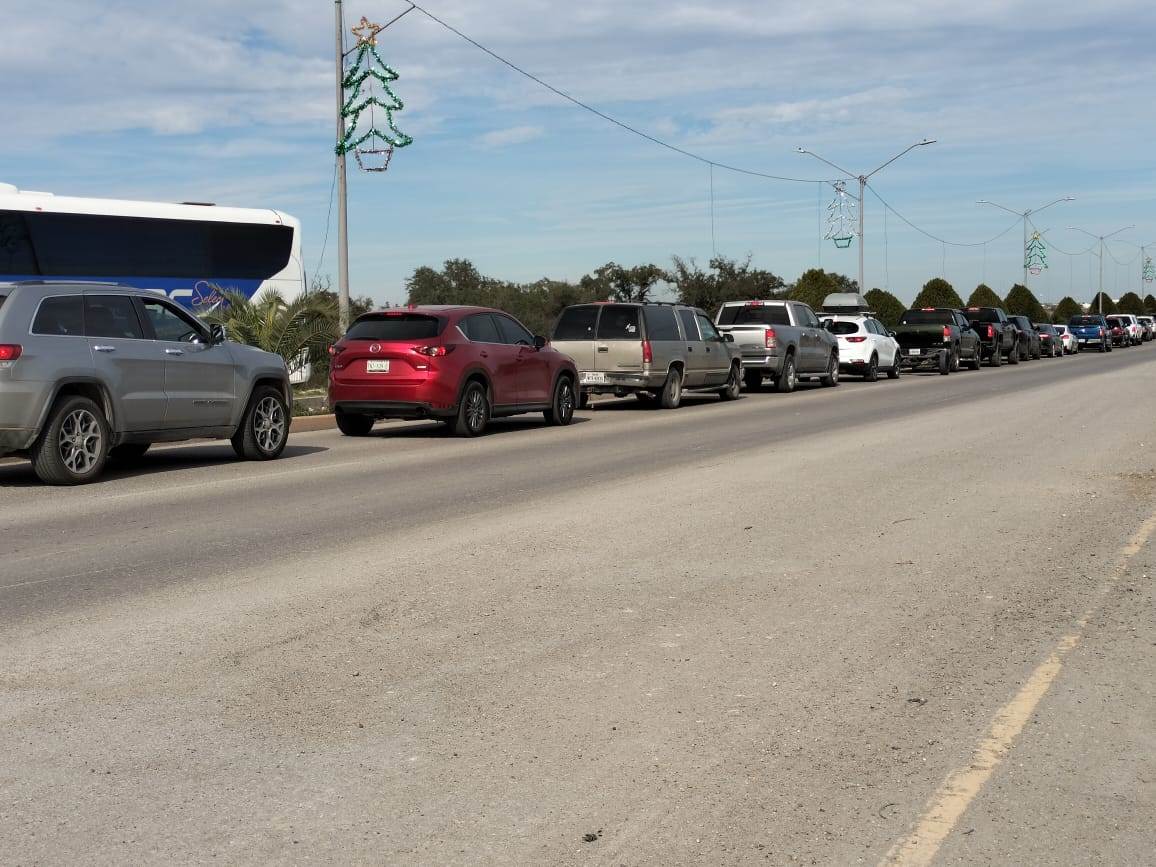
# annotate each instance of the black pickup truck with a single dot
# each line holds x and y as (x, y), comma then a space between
(937, 338)
(998, 337)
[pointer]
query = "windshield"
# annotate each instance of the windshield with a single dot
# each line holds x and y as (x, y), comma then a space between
(395, 326)
(927, 317)
(754, 314)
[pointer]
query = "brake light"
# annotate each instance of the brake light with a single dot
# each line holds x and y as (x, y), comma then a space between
(647, 353)
(434, 351)
(336, 350)
(754, 304)
(856, 339)
(946, 333)
(769, 339)
(10, 351)
(927, 309)
(991, 332)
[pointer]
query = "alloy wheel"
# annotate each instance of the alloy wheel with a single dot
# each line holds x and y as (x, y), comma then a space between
(269, 424)
(80, 441)
(476, 410)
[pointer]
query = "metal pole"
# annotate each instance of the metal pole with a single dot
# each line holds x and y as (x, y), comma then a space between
(862, 208)
(342, 210)
(1026, 213)
(1100, 295)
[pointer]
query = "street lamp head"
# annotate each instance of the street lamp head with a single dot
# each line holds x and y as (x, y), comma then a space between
(801, 150)
(928, 141)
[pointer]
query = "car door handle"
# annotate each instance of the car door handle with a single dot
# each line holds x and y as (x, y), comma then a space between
(603, 348)
(174, 352)
(105, 348)
(484, 354)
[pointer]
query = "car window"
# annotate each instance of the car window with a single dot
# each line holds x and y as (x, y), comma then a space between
(170, 324)
(111, 316)
(395, 326)
(481, 328)
(660, 323)
(2, 297)
(62, 316)
(926, 317)
(836, 326)
(577, 323)
(807, 317)
(755, 313)
(709, 332)
(513, 332)
(689, 326)
(619, 322)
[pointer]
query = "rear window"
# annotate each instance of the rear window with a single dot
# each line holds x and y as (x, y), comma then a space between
(660, 323)
(984, 314)
(62, 316)
(836, 326)
(402, 326)
(2, 297)
(749, 314)
(927, 317)
(577, 323)
(1084, 320)
(618, 322)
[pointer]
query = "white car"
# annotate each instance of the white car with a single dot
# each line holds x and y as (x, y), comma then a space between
(865, 345)
(1068, 340)
(1133, 327)
(1149, 326)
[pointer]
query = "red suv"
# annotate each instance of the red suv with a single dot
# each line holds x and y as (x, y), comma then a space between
(462, 365)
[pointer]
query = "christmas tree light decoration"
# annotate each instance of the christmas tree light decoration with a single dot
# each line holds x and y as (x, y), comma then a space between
(842, 224)
(1149, 271)
(367, 84)
(1036, 254)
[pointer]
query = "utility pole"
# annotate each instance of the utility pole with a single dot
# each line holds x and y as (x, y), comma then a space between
(1026, 216)
(1101, 239)
(342, 198)
(862, 179)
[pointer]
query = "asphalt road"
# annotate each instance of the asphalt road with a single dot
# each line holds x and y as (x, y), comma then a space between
(759, 632)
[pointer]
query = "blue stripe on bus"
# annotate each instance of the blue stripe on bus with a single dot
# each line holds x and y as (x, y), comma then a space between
(199, 296)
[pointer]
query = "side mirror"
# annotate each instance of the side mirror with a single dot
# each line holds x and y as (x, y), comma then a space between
(729, 338)
(217, 334)
(540, 342)
(892, 333)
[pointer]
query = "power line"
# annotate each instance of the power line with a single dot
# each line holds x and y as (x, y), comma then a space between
(883, 202)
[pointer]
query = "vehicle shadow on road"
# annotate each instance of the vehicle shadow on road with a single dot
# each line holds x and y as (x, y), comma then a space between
(437, 430)
(20, 474)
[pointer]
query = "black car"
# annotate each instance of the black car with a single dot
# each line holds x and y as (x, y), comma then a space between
(997, 335)
(1051, 344)
(937, 338)
(1027, 337)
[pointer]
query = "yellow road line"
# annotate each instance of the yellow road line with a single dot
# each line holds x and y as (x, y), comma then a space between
(962, 785)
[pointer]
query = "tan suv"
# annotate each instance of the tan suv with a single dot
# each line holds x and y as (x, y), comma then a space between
(655, 351)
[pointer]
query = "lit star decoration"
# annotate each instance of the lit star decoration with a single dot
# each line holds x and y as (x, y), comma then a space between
(367, 85)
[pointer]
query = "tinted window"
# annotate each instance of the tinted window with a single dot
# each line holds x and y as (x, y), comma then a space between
(660, 323)
(93, 245)
(1084, 320)
(749, 314)
(837, 327)
(63, 315)
(2, 297)
(577, 323)
(618, 322)
(399, 326)
(927, 317)
(689, 326)
(707, 328)
(513, 332)
(170, 324)
(983, 314)
(481, 328)
(807, 317)
(111, 316)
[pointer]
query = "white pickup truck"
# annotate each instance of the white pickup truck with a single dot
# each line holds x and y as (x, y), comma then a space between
(780, 340)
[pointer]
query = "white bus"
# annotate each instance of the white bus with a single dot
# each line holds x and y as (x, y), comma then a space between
(188, 251)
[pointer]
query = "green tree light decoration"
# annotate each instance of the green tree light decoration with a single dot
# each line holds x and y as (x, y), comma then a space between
(1036, 254)
(367, 85)
(1149, 271)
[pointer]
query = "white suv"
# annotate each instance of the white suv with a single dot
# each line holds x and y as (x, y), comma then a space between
(865, 344)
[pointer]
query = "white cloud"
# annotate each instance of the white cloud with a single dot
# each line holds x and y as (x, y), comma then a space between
(513, 135)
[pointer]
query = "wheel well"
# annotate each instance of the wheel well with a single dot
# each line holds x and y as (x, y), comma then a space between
(677, 365)
(476, 376)
(93, 391)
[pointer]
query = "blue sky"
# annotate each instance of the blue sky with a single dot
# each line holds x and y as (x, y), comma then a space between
(232, 102)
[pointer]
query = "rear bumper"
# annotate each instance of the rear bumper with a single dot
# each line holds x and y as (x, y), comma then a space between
(768, 364)
(392, 409)
(610, 382)
(436, 396)
(926, 358)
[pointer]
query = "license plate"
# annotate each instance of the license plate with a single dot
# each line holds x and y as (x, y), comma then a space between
(380, 366)
(590, 377)
(914, 351)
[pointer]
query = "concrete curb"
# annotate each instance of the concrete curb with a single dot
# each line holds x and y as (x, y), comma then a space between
(307, 423)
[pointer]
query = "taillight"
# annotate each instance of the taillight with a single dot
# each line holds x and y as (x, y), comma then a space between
(991, 332)
(434, 351)
(856, 339)
(10, 351)
(946, 333)
(769, 338)
(647, 352)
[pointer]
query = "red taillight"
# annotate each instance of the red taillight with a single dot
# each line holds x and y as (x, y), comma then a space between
(434, 351)
(946, 333)
(10, 351)
(856, 339)
(769, 338)
(647, 352)
(991, 332)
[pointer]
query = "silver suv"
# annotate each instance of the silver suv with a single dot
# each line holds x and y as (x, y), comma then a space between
(92, 372)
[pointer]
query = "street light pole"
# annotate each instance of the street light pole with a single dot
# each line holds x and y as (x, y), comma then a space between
(1101, 239)
(862, 179)
(1025, 216)
(342, 208)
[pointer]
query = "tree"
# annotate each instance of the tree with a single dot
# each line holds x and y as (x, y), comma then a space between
(984, 296)
(322, 288)
(886, 306)
(615, 283)
(937, 292)
(728, 280)
(1021, 302)
(1109, 306)
(1132, 303)
(1150, 305)
(1066, 309)
(813, 287)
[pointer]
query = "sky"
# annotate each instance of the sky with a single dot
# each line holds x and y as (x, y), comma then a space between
(234, 103)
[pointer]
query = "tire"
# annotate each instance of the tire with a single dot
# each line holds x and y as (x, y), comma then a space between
(264, 428)
(896, 369)
(128, 453)
(1037, 353)
(976, 359)
(473, 411)
(831, 378)
(1108, 343)
(561, 411)
(944, 363)
(753, 380)
(788, 379)
(996, 359)
(584, 400)
(955, 360)
(872, 372)
(645, 398)
(671, 395)
(734, 386)
(354, 424)
(1013, 357)
(72, 449)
